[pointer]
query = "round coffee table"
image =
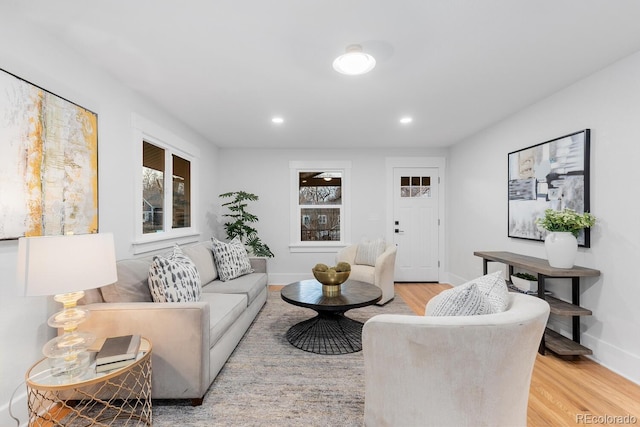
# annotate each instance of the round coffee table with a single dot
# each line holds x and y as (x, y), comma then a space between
(330, 332)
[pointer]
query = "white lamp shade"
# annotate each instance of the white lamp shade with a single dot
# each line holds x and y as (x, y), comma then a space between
(50, 265)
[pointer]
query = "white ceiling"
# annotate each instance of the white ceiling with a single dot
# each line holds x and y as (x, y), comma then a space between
(225, 67)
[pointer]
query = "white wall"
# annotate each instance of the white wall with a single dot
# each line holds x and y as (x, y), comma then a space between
(49, 65)
(266, 174)
(609, 104)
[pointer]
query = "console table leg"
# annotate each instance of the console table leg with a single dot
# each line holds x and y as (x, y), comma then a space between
(575, 299)
(541, 290)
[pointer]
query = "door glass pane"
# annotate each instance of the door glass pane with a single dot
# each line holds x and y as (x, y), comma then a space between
(152, 188)
(319, 224)
(181, 192)
(415, 186)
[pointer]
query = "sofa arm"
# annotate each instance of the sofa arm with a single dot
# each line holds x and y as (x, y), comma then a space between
(179, 333)
(258, 264)
(385, 273)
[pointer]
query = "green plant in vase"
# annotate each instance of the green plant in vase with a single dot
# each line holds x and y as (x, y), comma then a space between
(563, 226)
(566, 220)
(241, 220)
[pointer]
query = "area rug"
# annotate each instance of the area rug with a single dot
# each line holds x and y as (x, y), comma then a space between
(268, 382)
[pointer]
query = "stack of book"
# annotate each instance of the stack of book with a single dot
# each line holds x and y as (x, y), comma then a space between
(117, 352)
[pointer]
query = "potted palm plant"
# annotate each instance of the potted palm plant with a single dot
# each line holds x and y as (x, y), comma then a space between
(240, 223)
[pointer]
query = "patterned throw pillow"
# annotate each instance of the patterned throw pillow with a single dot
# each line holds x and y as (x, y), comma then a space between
(368, 251)
(174, 278)
(231, 259)
(495, 289)
(465, 300)
(485, 295)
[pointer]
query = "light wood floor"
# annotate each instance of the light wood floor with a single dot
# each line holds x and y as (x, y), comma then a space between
(564, 392)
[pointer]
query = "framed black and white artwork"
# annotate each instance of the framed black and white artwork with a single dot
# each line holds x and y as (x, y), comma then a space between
(550, 175)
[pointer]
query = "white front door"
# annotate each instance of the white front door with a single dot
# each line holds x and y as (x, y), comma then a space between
(415, 217)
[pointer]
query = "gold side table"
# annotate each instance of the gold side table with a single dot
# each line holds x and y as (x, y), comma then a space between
(118, 397)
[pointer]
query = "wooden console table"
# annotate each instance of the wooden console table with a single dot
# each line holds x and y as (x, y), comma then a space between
(552, 340)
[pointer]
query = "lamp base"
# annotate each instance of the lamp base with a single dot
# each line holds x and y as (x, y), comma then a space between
(69, 368)
(67, 354)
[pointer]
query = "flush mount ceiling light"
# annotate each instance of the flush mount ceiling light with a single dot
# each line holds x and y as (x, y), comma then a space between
(406, 120)
(354, 62)
(277, 120)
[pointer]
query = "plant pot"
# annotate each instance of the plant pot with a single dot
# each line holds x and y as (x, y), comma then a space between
(524, 284)
(562, 248)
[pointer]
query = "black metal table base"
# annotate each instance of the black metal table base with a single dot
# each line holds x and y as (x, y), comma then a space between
(327, 334)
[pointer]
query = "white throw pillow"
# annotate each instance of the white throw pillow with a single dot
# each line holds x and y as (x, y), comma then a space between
(174, 278)
(368, 251)
(231, 258)
(464, 300)
(484, 295)
(495, 289)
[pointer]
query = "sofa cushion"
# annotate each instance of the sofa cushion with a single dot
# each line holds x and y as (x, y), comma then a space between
(91, 296)
(132, 284)
(369, 250)
(224, 310)
(174, 278)
(231, 258)
(202, 256)
(250, 285)
(464, 300)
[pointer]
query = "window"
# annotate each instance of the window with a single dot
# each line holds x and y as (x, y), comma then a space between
(152, 188)
(319, 205)
(165, 189)
(154, 185)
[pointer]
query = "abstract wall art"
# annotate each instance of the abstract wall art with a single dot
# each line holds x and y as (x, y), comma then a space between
(550, 175)
(48, 163)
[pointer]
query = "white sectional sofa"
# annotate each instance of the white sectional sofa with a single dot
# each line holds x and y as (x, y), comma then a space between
(191, 340)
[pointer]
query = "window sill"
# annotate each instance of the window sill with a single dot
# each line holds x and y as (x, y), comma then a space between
(158, 241)
(316, 247)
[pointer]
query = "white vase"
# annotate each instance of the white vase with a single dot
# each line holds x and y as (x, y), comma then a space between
(562, 248)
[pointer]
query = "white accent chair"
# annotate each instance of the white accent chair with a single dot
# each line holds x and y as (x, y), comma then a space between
(380, 275)
(452, 370)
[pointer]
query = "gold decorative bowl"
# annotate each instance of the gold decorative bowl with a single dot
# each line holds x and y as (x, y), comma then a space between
(331, 277)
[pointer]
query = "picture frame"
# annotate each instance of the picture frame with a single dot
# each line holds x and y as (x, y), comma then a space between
(48, 162)
(550, 175)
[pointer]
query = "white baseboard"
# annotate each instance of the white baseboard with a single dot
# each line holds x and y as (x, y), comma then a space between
(453, 279)
(607, 355)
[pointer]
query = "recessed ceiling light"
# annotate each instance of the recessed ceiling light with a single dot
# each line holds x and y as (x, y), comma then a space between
(277, 120)
(354, 62)
(406, 120)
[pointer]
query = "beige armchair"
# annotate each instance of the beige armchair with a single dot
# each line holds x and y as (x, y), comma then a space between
(380, 275)
(455, 370)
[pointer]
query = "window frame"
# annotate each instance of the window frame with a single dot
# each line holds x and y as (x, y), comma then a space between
(147, 131)
(297, 166)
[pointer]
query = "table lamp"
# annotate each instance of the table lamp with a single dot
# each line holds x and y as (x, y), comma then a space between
(65, 266)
